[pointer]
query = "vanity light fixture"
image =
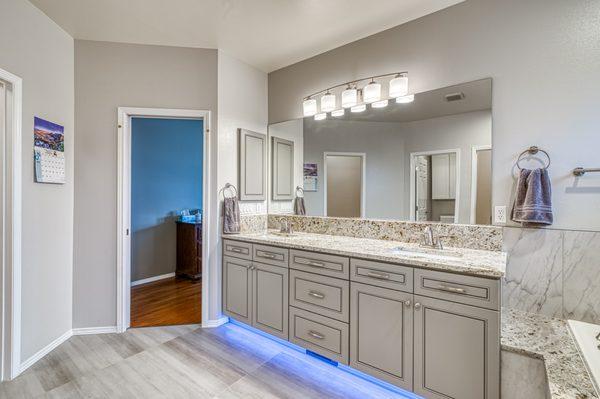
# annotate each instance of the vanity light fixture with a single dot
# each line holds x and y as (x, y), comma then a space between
(398, 86)
(349, 97)
(328, 102)
(358, 108)
(380, 104)
(338, 112)
(406, 99)
(309, 106)
(372, 92)
(321, 116)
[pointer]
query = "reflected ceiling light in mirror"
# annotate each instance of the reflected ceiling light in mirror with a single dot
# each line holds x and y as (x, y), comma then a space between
(338, 112)
(349, 97)
(321, 116)
(398, 86)
(309, 106)
(358, 108)
(328, 102)
(380, 104)
(372, 92)
(406, 99)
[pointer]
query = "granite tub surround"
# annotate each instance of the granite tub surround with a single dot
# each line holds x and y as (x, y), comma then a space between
(490, 264)
(550, 340)
(487, 238)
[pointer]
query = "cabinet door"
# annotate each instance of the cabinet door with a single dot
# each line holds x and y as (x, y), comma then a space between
(440, 176)
(270, 299)
(381, 341)
(237, 289)
(456, 349)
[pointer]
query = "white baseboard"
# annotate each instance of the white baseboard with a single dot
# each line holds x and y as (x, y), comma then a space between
(151, 279)
(215, 323)
(95, 330)
(45, 350)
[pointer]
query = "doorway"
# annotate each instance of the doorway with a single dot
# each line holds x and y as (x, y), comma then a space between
(344, 192)
(163, 238)
(481, 185)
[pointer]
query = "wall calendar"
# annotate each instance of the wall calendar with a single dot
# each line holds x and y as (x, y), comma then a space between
(49, 151)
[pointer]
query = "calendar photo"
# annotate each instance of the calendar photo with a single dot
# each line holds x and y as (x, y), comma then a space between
(49, 151)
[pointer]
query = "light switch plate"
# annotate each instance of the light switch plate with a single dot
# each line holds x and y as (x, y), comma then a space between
(500, 214)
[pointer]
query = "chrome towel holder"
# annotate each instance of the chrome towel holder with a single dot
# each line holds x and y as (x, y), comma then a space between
(532, 151)
(579, 171)
(231, 188)
(298, 188)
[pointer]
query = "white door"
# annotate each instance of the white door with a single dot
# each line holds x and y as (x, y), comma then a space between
(422, 188)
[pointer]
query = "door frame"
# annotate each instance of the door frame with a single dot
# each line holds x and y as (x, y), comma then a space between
(363, 183)
(124, 205)
(412, 177)
(10, 326)
(474, 161)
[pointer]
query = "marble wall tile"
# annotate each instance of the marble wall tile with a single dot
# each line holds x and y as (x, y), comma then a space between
(533, 281)
(582, 276)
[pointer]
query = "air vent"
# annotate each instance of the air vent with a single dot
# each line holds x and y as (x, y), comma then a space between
(454, 97)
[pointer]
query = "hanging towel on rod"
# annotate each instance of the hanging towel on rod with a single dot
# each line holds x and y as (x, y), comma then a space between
(231, 215)
(533, 200)
(299, 208)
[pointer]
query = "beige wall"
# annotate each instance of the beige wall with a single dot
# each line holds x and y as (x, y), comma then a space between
(107, 76)
(36, 49)
(543, 57)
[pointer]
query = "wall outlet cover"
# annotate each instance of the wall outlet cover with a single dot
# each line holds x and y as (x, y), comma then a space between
(500, 214)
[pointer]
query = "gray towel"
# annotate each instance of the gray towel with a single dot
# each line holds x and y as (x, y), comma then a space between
(299, 208)
(231, 216)
(533, 202)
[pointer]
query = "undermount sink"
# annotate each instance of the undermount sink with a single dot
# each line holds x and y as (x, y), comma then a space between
(279, 233)
(422, 251)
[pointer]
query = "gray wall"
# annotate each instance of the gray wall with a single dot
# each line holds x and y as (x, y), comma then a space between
(109, 75)
(36, 49)
(388, 147)
(543, 56)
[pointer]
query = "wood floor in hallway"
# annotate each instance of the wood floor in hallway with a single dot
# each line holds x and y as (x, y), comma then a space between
(227, 362)
(167, 302)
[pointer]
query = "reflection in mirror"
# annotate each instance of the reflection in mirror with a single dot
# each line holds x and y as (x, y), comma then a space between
(426, 160)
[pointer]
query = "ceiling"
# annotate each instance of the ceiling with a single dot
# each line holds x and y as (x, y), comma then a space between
(268, 34)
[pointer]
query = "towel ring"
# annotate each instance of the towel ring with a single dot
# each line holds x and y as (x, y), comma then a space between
(532, 151)
(298, 188)
(233, 191)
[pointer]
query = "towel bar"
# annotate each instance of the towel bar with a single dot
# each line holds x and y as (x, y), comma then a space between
(579, 171)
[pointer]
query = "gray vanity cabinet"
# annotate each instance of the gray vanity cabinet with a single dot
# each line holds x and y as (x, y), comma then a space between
(270, 299)
(381, 329)
(456, 350)
(237, 289)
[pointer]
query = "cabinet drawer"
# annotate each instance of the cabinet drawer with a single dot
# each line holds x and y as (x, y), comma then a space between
(327, 265)
(323, 295)
(242, 250)
(270, 255)
(319, 334)
(385, 275)
(469, 290)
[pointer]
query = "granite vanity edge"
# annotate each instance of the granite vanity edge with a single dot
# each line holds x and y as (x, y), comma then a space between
(477, 271)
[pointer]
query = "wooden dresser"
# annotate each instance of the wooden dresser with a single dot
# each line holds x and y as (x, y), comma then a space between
(189, 250)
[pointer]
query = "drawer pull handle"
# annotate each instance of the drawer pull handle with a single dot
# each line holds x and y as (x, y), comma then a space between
(237, 250)
(316, 335)
(267, 255)
(452, 289)
(316, 294)
(380, 276)
(310, 262)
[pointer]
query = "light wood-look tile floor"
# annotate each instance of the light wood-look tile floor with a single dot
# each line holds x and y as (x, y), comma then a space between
(228, 362)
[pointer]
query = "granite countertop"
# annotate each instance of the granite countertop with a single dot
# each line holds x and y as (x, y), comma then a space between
(551, 341)
(472, 262)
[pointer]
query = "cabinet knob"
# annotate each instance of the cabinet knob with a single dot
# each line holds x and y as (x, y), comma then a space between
(407, 303)
(417, 305)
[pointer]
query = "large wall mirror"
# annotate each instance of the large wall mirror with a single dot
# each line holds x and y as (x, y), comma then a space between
(425, 160)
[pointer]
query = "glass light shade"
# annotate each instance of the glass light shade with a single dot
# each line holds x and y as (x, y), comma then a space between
(328, 102)
(309, 106)
(321, 116)
(372, 92)
(399, 86)
(406, 99)
(349, 98)
(380, 104)
(358, 108)
(338, 112)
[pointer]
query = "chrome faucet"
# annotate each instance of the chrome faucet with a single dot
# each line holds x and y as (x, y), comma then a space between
(285, 227)
(430, 240)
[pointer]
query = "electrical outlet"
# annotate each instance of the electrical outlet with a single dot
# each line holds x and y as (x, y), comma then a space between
(500, 214)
